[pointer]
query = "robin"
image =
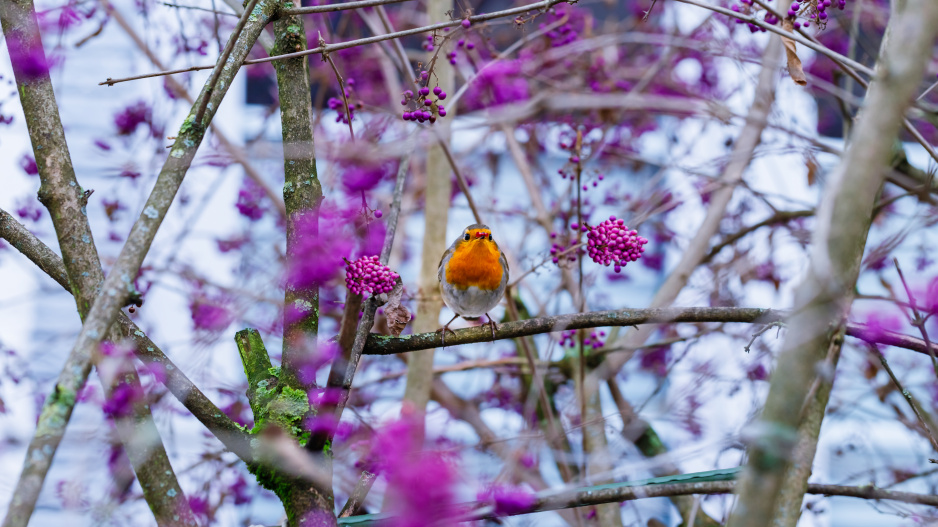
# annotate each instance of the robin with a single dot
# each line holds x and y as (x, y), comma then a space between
(473, 275)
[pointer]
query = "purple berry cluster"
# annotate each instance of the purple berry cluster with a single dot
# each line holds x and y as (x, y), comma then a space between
(596, 339)
(558, 248)
(337, 104)
(461, 43)
(369, 274)
(611, 242)
(425, 108)
(813, 10)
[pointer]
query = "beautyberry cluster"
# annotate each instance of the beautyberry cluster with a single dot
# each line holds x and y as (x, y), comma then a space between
(368, 274)
(337, 104)
(750, 9)
(426, 109)
(459, 44)
(611, 242)
(814, 10)
(596, 339)
(558, 250)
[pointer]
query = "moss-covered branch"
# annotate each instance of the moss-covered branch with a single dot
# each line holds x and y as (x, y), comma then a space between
(302, 191)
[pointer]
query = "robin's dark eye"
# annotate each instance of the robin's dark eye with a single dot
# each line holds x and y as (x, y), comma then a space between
(490, 236)
(466, 237)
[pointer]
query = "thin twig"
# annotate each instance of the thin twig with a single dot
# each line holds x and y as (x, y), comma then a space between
(167, 4)
(542, 5)
(913, 403)
(338, 77)
(918, 320)
(222, 59)
(343, 6)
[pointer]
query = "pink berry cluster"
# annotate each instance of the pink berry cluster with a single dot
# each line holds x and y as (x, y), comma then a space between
(596, 339)
(425, 108)
(368, 274)
(611, 242)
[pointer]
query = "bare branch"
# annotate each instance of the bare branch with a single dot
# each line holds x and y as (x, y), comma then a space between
(185, 391)
(537, 6)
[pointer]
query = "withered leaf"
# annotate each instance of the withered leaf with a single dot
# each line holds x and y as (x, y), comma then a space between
(397, 315)
(794, 63)
(813, 168)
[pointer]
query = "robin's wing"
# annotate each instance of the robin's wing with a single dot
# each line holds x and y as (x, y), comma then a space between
(504, 261)
(443, 259)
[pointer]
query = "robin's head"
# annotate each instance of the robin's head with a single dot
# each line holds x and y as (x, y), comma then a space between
(476, 235)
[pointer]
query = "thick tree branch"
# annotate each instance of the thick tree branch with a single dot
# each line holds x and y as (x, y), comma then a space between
(386, 345)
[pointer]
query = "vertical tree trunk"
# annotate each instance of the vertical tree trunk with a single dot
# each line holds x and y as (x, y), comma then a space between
(306, 503)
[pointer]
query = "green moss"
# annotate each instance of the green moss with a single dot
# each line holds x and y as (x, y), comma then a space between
(288, 409)
(274, 370)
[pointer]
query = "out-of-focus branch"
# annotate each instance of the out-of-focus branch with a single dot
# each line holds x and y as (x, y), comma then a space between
(740, 157)
(436, 197)
(185, 391)
(357, 499)
(637, 431)
(782, 216)
(824, 297)
(342, 371)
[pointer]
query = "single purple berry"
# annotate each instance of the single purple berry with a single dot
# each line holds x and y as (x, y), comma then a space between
(466, 23)
(378, 214)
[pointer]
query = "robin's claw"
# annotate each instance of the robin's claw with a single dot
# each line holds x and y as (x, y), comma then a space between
(492, 325)
(444, 329)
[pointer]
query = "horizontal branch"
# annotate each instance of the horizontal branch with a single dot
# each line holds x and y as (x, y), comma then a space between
(721, 481)
(329, 8)
(387, 345)
(329, 48)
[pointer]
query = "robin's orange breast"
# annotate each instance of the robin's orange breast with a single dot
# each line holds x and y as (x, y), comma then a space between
(475, 263)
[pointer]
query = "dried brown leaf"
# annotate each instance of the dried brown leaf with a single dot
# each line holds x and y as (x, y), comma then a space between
(794, 63)
(813, 168)
(397, 315)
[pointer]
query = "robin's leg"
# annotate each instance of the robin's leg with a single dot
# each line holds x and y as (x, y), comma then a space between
(445, 328)
(492, 325)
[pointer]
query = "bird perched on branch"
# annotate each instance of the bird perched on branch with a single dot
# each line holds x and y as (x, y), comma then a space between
(473, 275)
